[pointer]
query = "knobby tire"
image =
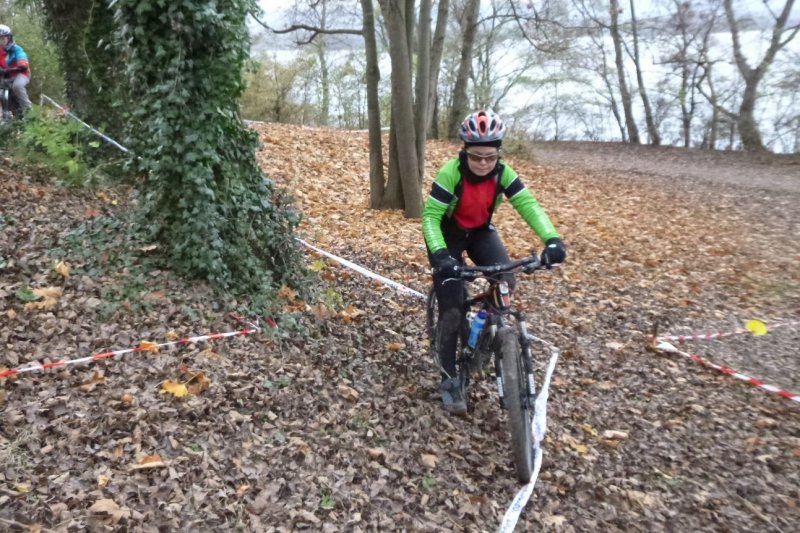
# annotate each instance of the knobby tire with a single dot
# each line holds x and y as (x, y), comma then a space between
(520, 419)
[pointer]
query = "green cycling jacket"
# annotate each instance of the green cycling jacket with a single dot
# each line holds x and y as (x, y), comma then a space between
(444, 197)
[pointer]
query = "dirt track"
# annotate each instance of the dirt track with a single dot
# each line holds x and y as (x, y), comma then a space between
(772, 172)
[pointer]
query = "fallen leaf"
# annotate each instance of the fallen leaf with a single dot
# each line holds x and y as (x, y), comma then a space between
(171, 335)
(147, 346)
(62, 268)
(642, 498)
(756, 327)
(290, 295)
(428, 460)
(178, 390)
(589, 429)
(49, 295)
(241, 489)
(614, 345)
(348, 393)
(394, 346)
(307, 516)
(614, 434)
(97, 379)
(198, 384)
(351, 312)
(147, 462)
(376, 453)
(555, 520)
(110, 507)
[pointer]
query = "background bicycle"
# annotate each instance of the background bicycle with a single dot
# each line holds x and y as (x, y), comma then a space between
(503, 338)
(8, 103)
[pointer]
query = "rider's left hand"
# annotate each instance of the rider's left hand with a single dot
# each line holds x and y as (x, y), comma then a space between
(555, 252)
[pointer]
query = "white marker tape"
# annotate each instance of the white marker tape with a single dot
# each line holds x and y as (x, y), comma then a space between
(362, 270)
(539, 428)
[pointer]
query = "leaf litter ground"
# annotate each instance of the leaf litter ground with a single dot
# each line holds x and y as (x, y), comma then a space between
(341, 429)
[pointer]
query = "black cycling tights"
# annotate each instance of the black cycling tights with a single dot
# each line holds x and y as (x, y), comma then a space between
(484, 248)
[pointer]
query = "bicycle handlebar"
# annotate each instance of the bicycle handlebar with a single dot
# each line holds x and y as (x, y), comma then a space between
(527, 265)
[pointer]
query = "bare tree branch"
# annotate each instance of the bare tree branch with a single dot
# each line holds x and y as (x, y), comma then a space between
(314, 30)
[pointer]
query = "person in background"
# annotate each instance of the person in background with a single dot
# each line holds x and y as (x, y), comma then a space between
(457, 218)
(14, 66)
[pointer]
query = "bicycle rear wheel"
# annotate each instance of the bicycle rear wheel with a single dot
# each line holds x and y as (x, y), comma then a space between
(520, 416)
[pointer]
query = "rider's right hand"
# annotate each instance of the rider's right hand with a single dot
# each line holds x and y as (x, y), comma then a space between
(444, 264)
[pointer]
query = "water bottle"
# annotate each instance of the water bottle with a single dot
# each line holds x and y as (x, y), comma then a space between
(477, 326)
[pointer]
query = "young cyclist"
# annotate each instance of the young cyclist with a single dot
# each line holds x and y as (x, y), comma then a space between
(457, 218)
(14, 65)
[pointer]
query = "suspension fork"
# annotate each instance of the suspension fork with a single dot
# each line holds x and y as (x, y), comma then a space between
(527, 359)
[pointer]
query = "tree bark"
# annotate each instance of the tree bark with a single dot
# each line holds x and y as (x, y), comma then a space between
(625, 95)
(373, 75)
(437, 49)
(652, 129)
(423, 82)
(458, 110)
(322, 48)
(404, 166)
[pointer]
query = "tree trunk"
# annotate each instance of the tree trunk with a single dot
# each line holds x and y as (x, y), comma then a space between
(93, 74)
(404, 166)
(423, 82)
(373, 75)
(437, 49)
(458, 110)
(652, 129)
(748, 128)
(325, 105)
(625, 95)
(322, 48)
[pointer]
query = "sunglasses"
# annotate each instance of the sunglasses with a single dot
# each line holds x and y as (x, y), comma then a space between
(478, 158)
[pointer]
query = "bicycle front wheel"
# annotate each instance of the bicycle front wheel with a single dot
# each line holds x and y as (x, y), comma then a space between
(520, 416)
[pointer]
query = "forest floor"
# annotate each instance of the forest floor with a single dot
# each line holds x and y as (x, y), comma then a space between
(332, 421)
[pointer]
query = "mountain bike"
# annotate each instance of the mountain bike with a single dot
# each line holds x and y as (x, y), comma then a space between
(504, 336)
(8, 102)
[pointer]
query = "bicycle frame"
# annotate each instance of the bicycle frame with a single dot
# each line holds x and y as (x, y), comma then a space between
(497, 301)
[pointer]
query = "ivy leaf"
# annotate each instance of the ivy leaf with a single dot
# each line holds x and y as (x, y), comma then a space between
(27, 295)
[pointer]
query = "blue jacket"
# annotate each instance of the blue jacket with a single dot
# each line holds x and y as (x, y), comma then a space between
(14, 56)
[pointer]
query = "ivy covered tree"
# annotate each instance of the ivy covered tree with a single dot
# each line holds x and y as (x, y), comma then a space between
(204, 196)
(83, 31)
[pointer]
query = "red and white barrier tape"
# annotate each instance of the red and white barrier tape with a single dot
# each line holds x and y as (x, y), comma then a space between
(710, 336)
(667, 347)
(143, 347)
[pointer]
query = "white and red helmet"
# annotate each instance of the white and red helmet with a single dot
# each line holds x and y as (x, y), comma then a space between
(482, 127)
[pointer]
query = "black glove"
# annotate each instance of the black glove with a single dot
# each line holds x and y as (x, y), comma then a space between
(444, 264)
(554, 252)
